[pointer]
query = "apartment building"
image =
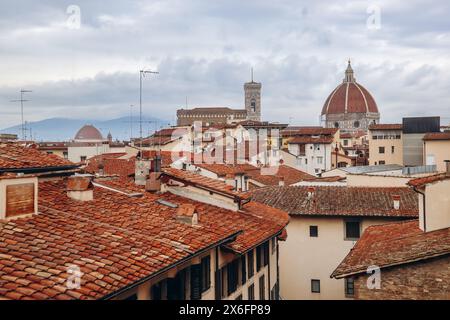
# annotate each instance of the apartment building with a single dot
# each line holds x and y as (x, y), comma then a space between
(436, 148)
(413, 258)
(385, 144)
(325, 223)
(80, 237)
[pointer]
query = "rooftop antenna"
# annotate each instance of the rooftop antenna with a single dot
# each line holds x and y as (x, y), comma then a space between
(187, 103)
(252, 74)
(22, 100)
(141, 75)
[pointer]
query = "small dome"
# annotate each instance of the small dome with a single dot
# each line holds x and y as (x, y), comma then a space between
(349, 97)
(88, 133)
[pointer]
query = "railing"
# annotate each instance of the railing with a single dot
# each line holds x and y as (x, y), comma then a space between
(419, 169)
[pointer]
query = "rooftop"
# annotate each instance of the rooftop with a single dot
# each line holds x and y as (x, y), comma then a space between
(386, 126)
(437, 136)
(15, 157)
(340, 201)
(393, 244)
(116, 240)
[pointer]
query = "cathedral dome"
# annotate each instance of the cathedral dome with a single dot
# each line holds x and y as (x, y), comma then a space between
(88, 133)
(349, 97)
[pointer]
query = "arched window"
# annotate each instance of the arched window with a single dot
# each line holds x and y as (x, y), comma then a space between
(336, 124)
(253, 105)
(356, 124)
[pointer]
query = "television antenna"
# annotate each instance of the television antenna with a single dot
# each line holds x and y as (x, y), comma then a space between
(22, 100)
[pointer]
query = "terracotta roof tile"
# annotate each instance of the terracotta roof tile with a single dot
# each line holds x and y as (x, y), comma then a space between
(281, 173)
(386, 126)
(311, 139)
(437, 136)
(393, 244)
(340, 201)
(420, 182)
(14, 156)
(115, 240)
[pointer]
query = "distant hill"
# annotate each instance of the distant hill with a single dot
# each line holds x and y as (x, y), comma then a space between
(62, 129)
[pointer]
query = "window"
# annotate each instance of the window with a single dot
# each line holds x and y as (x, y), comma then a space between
(345, 142)
(306, 161)
(83, 158)
(243, 270)
(262, 255)
(251, 264)
(65, 155)
(319, 160)
(132, 297)
(349, 287)
(315, 286)
(392, 149)
(49, 152)
(232, 276)
(253, 105)
(156, 291)
(251, 292)
(313, 231)
(380, 149)
(336, 124)
(356, 124)
(239, 297)
(381, 162)
(274, 245)
(352, 230)
(262, 288)
(258, 258)
(206, 273)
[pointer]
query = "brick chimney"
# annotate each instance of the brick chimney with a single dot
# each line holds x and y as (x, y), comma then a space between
(281, 182)
(396, 200)
(186, 213)
(80, 188)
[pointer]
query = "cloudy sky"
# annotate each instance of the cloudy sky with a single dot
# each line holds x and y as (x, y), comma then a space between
(204, 51)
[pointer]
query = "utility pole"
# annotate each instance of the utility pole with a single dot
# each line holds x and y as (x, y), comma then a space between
(141, 75)
(22, 100)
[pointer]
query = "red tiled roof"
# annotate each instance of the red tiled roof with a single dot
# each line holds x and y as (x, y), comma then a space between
(386, 126)
(349, 97)
(227, 169)
(202, 181)
(306, 131)
(393, 244)
(115, 240)
(340, 201)
(420, 182)
(304, 140)
(14, 156)
(287, 174)
(437, 136)
(326, 179)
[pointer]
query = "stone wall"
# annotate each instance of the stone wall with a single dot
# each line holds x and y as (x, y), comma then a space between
(427, 279)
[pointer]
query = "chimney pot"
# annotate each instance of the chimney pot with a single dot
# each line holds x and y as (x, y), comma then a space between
(80, 187)
(281, 182)
(187, 213)
(311, 192)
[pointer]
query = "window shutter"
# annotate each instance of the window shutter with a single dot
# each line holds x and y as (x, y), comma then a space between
(218, 284)
(196, 282)
(244, 269)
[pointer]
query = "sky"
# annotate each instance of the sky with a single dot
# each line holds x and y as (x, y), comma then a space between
(82, 58)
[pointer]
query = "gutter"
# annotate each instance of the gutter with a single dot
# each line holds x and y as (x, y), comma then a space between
(39, 169)
(190, 256)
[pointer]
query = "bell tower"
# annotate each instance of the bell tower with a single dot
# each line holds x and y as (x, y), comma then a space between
(252, 92)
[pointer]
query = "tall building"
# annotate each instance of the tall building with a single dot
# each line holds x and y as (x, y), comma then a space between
(350, 107)
(223, 115)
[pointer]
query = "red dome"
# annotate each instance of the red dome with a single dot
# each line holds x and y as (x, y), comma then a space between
(88, 132)
(349, 97)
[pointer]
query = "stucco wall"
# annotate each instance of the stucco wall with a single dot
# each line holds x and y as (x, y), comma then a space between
(439, 150)
(303, 258)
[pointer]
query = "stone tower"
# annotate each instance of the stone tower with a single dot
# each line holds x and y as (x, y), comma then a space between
(253, 100)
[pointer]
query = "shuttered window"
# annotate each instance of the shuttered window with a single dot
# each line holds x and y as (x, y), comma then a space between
(206, 273)
(243, 270)
(196, 282)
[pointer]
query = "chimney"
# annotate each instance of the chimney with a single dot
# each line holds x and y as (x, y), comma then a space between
(396, 199)
(157, 160)
(80, 188)
(281, 182)
(142, 169)
(153, 184)
(186, 213)
(311, 192)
